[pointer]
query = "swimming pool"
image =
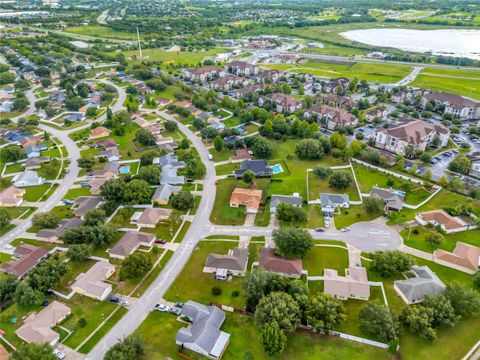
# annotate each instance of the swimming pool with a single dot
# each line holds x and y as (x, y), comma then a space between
(124, 169)
(277, 169)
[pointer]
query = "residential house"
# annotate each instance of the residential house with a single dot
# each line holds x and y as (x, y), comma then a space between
(130, 242)
(203, 335)
(330, 202)
(96, 183)
(241, 154)
(259, 167)
(168, 159)
(353, 285)
(283, 103)
(75, 117)
(475, 164)
(202, 74)
(11, 197)
(112, 154)
(456, 105)
(249, 198)
(35, 163)
(424, 283)
(228, 82)
(162, 194)
(393, 199)
(84, 204)
(26, 179)
(232, 264)
(449, 224)
(250, 89)
(53, 235)
(376, 112)
(140, 121)
(331, 117)
(275, 200)
(150, 217)
(33, 151)
(169, 176)
(269, 261)
(92, 283)
(242, 68)
(339, 101)
(417, 133)
(399, 97)
(269, 76)
(163, 101)
(31, 141)
(37, 327)
(99, 132)
(336, 85)
(109, 170)
(26, 258)
(465, 257)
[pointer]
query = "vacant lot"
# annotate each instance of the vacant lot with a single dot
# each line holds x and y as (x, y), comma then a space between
(468, 85)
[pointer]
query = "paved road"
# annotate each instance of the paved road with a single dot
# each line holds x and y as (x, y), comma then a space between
(138, 312)
(410, 77)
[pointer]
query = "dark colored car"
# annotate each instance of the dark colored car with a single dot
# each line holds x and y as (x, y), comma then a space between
(114, 299)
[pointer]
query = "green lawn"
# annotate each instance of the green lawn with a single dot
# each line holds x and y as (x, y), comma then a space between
(323, 257)
(335, 50)
(222, 213)
(17, 211)
(34, 193)
(354, 214)
(103, 32)
(14, 168)
(223, 155)
(418, 241)
(226, 169)
(75, 268)
(73, 194)
(316, 186)
(193, 284)
(466, 86)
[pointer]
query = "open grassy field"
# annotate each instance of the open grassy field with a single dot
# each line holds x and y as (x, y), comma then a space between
(354, 214)
(103, 32)
(334, 50)
(34, 193)
(325, 257)
(376, 73)
(175, 58)
(316, 186)
(466, 83)
(222, 213)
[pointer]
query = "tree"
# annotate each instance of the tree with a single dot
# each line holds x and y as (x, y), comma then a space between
(373, 205)
(147, 157)
(33, 351)
(6, 78)
(292, 242)
(74, 103)
(387, 263)
(85, 163)
(135, 265)
(340, 180)
(91, 112)
(443, 311)
(79, 252)
(47, 274)
(184, 200)
(98, 236)
(25, 295)
(262, 148)
(45, 220)
(426, 158)
(137, 192)
(273, 339)
(456, 184)
(8, 285)
(325, 312)
(460, 164)
(113, 189)
(11, 153)
(476, 280)
(309, 149)
(170, 125)
(434, 238)
(218, 143)
(145, 137)
(418, 319)
(248, 176)
(322, 172)
(109, 113)
(280, 308)
(378, 320)
(464, 301)
(5, 218)
(131, 347)
(150, 174)
(94, 217)
(288, 212)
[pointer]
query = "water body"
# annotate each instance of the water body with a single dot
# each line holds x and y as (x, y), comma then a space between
(447, 42)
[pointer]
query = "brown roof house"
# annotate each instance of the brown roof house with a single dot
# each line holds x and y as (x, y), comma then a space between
(282, 102)
(454, 104)
(26, 258)
(331, 117)
(11, 197)
(37, 327)
(465, 257)
(232, 264)
(150, 217)
(249, 198)
(280, 265)
(99, 132)
(417, 133)
(130, 242)
(353, 285)
(441, 218)
(92, 283)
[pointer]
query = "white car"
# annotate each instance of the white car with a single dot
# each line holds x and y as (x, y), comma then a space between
(345, 229)
(8, 246)
(125, 303)
(59, 354)
(162, 307)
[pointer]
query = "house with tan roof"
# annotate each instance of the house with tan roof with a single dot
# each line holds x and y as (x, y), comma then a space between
(417, 133)
(99, 132)
(465, 257)
(37, 327)
(141, 121)
(92, 283)
(97, 182)
(441, 218)
(26, 258)
(232, 264)
(456, 105)
(353, 285)
(269, 261)
(242, 68)
(150, 217)
(282, 102)
(130, 242)
(11, 197)
(202, 74)
(249, 198)
(331, 117)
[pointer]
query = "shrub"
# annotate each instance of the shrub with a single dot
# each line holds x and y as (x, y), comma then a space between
(235, 293)
(216, 290)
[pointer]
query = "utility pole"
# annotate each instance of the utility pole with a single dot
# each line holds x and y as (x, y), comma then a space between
(139, 45)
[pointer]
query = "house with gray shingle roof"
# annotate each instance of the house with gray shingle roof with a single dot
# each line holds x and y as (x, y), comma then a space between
(203, 335)
(234, 263)
(27, 178)
(169, 176)
(330, 202)
(424, 283)
(84, 204)
(163, 192)
(53, 234)
(275, 200)
(393, 199)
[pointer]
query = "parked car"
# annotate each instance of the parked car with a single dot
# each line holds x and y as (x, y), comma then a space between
(162, 307)
(320, 229)
(160, 241)
(345, 229)
(179, 305)
(59, 354)
(114, 299)
(68, 202)
(45, 303)
(175, 311)
(85, 185)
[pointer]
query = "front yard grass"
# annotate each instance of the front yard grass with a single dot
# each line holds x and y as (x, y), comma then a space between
(194, 284)
(223, 155)
(326, 257)
(34, 193)
(316, 186)
(226, 169)
(14, 168)
(351, 215)
(73, 194)
(222, 213)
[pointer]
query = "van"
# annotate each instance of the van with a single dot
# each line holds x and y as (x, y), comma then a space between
(210, 157)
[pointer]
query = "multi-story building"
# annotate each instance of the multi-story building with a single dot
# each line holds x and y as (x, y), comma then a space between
(456, 105)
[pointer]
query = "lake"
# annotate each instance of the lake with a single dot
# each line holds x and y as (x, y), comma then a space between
(448, 42)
